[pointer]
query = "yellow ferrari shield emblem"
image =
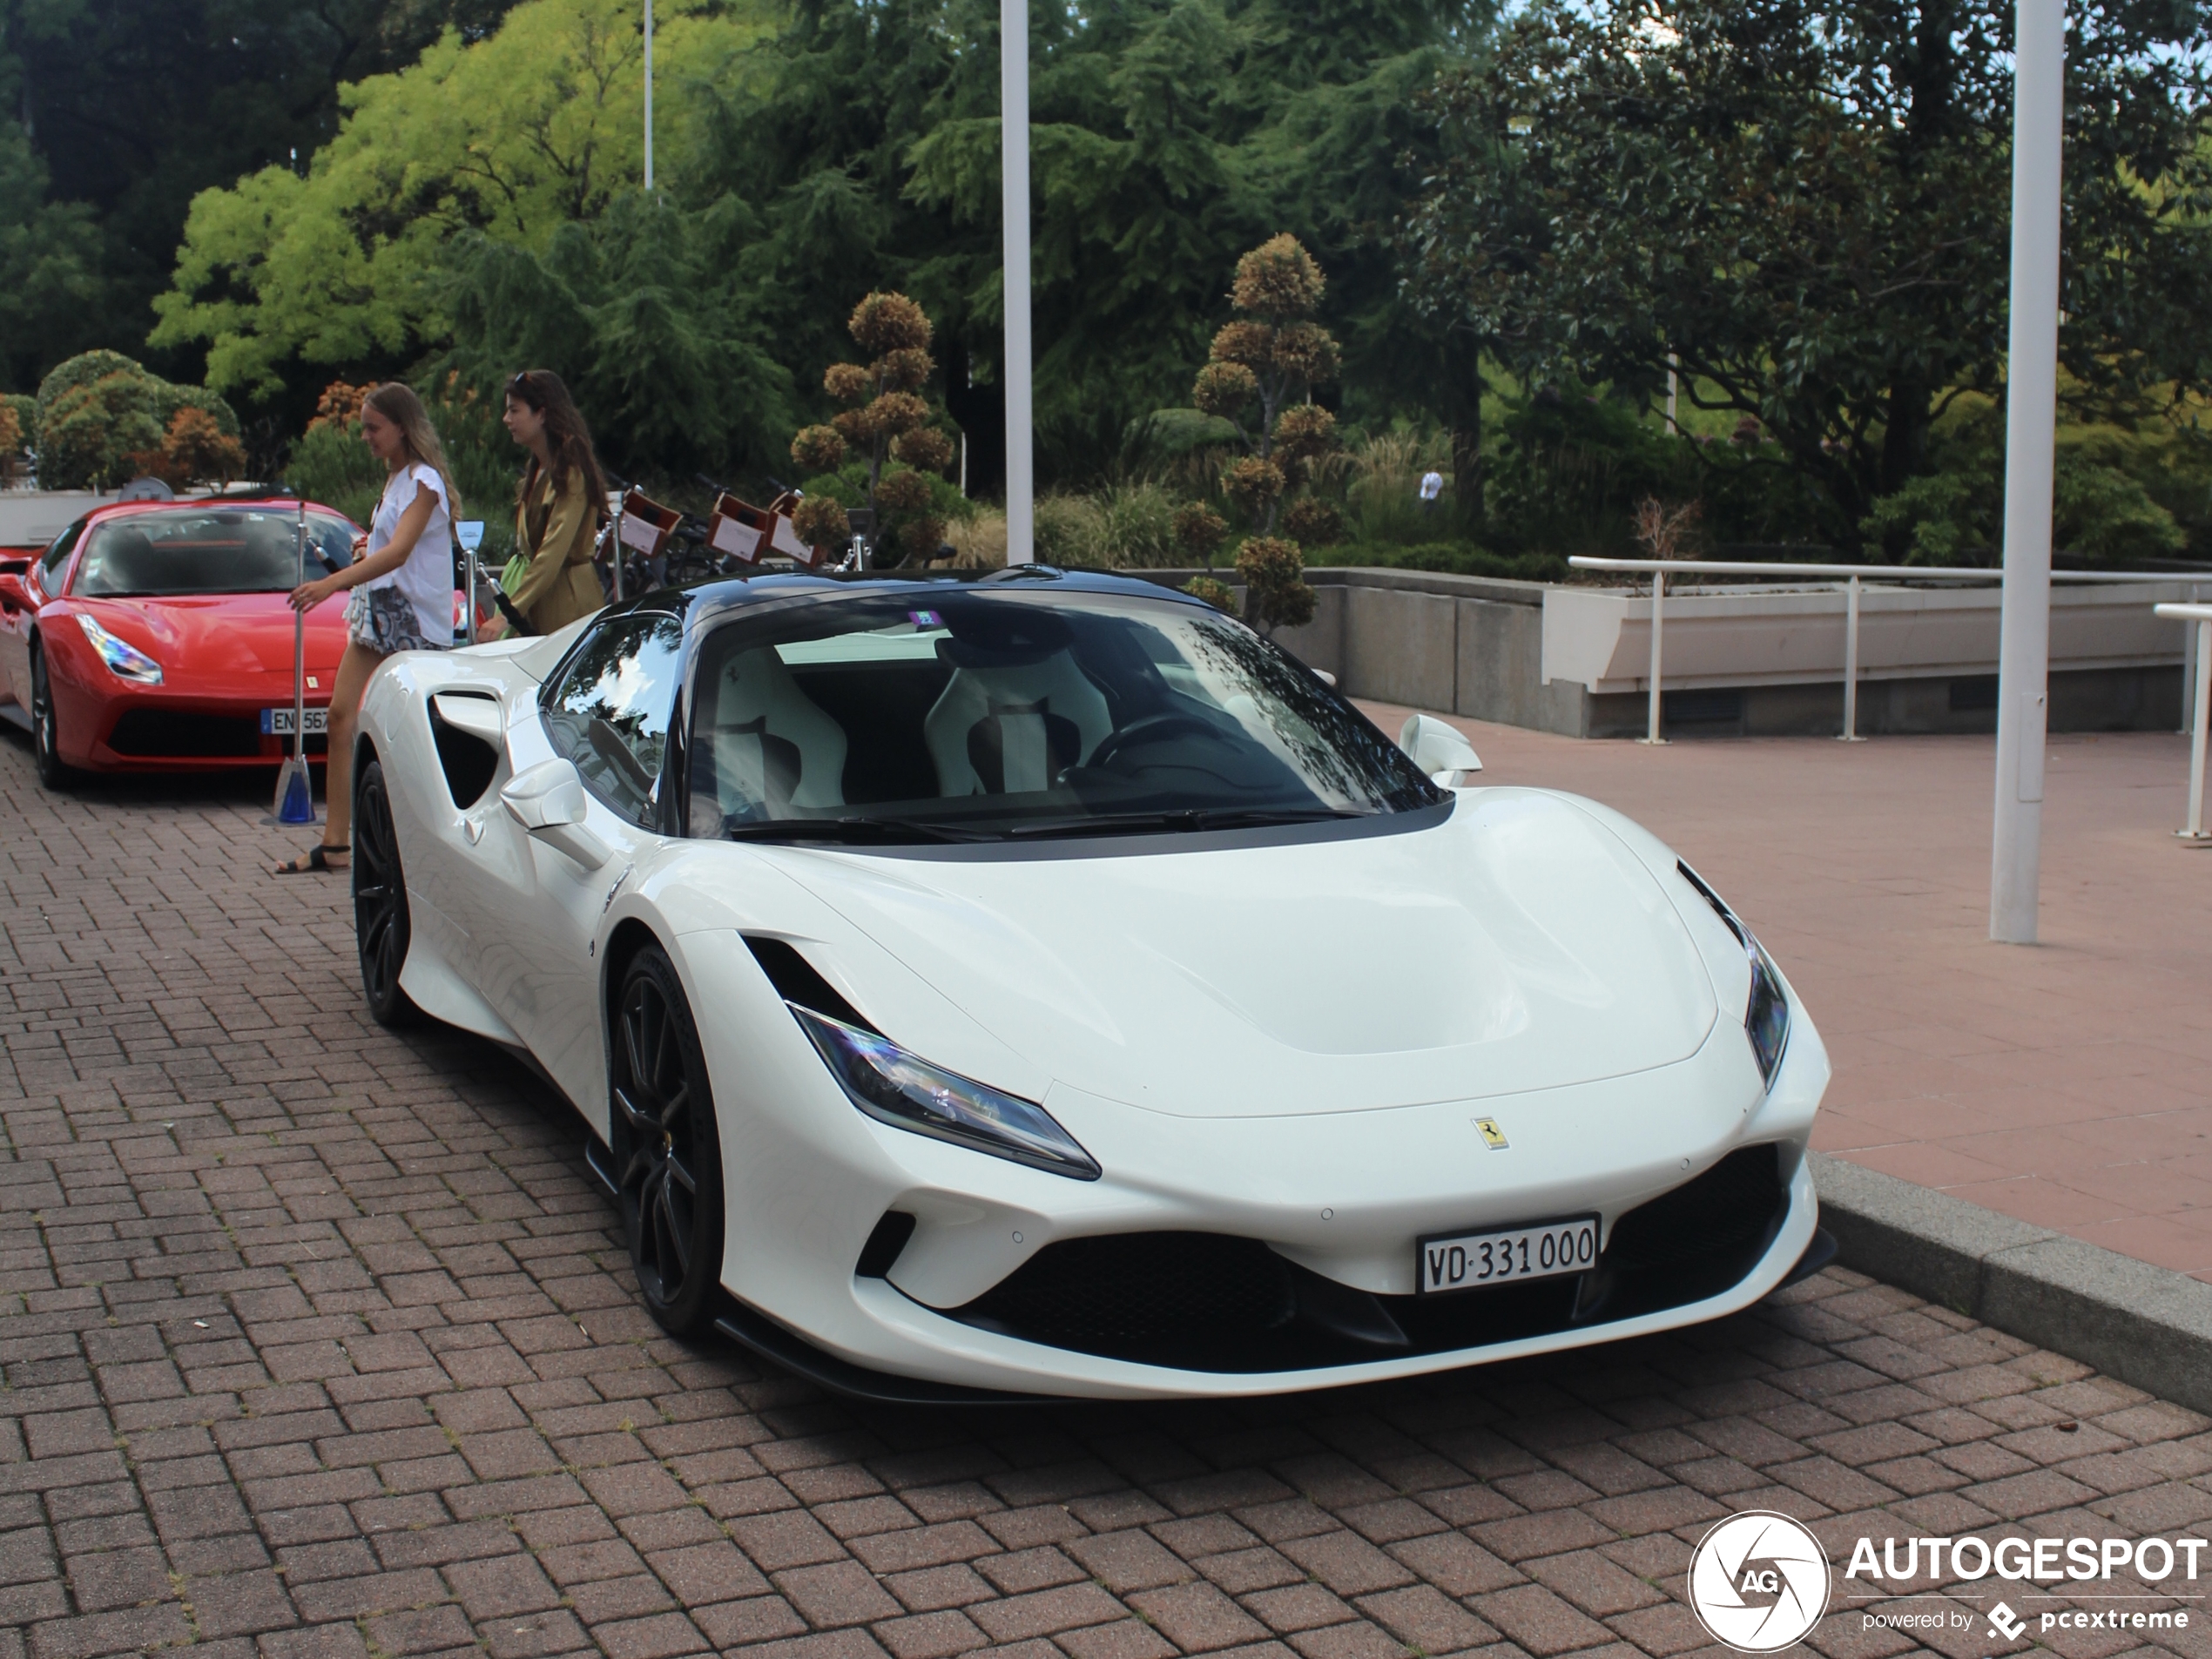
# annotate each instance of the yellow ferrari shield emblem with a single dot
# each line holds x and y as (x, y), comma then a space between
(1493, 1136)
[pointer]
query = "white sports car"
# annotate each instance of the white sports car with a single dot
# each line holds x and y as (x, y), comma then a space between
(1042, 984)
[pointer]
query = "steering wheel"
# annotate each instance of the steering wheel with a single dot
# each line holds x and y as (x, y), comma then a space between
(1151, 728)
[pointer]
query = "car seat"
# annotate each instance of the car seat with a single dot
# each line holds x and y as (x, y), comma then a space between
(1016, 710)
(773, 746)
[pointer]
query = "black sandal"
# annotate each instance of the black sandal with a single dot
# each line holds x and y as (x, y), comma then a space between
(317, 862)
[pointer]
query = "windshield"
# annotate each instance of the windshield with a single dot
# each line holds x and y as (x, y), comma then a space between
(997, 714)
(232, 549)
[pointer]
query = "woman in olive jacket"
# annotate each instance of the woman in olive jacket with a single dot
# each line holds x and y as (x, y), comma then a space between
(559, 508)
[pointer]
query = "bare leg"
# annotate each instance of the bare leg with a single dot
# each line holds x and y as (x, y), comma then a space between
(353, 670)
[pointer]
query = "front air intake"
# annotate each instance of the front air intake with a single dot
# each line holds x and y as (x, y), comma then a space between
(1206, 1302)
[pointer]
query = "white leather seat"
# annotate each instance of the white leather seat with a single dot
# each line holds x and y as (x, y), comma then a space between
(1020, 698)
(757, 701)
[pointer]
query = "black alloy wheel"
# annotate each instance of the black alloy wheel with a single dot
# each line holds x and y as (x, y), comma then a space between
(665, 1146)
(381, 929)
(45, 728)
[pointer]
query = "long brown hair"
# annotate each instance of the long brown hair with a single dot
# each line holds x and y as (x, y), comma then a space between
(567, 439)
(397, 403)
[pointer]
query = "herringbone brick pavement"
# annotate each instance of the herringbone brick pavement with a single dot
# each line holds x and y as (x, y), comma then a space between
(316, 1340)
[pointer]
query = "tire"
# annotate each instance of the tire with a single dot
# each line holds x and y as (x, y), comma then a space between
(380, 923)
(666, 1146)
(45, 729)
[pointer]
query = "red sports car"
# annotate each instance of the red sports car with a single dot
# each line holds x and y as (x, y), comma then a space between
(155, 636)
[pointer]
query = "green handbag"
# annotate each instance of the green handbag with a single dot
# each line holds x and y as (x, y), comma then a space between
(511, 578)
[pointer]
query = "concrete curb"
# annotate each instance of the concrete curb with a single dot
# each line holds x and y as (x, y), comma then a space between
(2146, 1326)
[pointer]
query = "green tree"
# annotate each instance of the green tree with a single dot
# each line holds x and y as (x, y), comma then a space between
(854, 145)
(646, 314)
(120, 111)
(53, 293)
(1807, 204)
(511, 136)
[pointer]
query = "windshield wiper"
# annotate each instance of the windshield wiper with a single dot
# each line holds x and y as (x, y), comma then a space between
(849, 829)
(1196, 818)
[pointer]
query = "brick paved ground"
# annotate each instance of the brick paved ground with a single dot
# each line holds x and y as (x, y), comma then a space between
(316, 1341)
(2070, 1084)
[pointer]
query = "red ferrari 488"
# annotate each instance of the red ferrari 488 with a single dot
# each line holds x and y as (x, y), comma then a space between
(155, 636)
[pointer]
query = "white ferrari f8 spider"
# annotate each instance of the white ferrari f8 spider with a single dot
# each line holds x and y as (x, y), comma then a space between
(1042, 984)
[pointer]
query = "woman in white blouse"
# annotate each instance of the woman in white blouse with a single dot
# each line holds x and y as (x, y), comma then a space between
(401, 586)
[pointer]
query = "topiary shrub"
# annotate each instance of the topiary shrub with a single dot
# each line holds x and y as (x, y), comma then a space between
(1276, 593)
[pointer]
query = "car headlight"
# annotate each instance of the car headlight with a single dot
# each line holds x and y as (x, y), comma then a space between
(125, 662)
(907, 1092)
(1766, 1017)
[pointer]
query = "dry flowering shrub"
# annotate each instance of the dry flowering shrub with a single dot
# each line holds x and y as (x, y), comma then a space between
(1219, 594)
(818, 448)
(196, 450)
(902, 492)
(1259, 376)
(1311, 521)
(1223, 389)
(885, 419)
(340, 404)
(1275, 592)
(1200, 531)
(925, 447)
(820, 522)
(1254, 485)
(1662, 526)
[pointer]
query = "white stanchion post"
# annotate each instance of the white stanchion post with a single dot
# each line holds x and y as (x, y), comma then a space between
(1013, 127)
(2188, 659)
(649, 94)
(2030, 416)
(2197, 728)
(1850, 665)
(469, 532)
(1658, 618)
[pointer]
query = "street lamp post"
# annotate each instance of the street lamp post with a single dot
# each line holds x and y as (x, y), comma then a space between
(648, 94)
(1014, 119)
(2030, 416)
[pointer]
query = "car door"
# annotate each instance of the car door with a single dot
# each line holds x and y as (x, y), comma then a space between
(608, 711)
(41, 583)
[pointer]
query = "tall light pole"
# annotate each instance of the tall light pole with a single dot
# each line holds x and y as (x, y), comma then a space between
(1014, 126)
(2031, 418)
(648, 94)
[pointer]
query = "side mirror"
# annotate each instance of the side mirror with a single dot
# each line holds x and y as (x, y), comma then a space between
(13, 597)
(1439, 749)
(548, 801)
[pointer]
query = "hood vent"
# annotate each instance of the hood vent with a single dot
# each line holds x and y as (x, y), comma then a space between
(798, 982)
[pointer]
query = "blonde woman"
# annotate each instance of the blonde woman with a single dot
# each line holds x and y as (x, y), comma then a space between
(401, 586)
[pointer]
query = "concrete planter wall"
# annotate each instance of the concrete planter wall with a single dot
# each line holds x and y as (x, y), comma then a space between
(1573, 659)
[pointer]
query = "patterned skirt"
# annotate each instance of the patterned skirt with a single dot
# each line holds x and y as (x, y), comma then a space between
(382, 620)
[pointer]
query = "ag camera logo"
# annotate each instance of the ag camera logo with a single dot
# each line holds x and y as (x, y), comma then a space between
(1758, 1581)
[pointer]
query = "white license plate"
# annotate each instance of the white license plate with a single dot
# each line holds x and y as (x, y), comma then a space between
(1462, 1261)
(277, 723)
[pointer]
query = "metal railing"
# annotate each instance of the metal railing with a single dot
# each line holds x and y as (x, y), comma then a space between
(1850, 575)
(2200, 636)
